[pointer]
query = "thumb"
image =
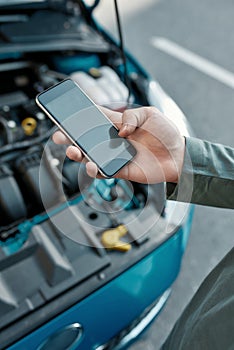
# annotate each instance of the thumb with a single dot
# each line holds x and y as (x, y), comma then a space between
(132, 119)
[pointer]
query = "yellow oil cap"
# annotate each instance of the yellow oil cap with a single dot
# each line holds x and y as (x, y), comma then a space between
(111, 239)
(29, 125)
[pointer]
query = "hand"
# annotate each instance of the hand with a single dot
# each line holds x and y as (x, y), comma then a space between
(160, 147)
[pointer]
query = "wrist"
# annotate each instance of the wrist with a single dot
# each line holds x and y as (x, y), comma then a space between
(179, 160)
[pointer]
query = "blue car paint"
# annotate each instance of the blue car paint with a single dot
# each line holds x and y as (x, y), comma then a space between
(111, 308)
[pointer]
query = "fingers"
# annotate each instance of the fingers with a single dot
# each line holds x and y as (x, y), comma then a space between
(74, 153)
(132, 119)
(92, 169)
(59, 138)
(126, 122)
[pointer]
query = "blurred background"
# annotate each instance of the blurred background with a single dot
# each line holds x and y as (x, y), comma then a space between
(188, 46)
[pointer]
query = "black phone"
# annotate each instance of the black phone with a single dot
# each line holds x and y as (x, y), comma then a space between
(86, 126)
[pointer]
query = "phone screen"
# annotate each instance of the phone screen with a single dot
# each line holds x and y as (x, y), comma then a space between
(87, 126)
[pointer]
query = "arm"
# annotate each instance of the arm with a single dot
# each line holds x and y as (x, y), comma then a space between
(211, 167)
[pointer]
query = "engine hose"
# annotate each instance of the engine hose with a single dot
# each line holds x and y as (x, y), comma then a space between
(25, 144)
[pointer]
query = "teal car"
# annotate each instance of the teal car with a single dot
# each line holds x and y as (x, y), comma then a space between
(64, 283)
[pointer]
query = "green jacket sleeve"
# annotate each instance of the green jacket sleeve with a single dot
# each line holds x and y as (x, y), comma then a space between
(207, 176)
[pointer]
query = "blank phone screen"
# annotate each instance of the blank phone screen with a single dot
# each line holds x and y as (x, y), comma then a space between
(88, 126)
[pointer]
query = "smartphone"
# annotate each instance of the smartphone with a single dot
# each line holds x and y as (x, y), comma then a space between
(87, 127)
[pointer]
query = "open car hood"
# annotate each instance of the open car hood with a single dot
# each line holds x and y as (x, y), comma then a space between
(36, 4)
(28, 3)
(44, 25)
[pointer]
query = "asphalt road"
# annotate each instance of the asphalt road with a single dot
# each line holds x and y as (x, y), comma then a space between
(205, 27)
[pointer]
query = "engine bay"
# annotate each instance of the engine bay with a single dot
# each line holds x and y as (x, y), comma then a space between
(24, 131)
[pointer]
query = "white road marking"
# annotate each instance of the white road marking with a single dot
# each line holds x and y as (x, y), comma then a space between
(202, 64)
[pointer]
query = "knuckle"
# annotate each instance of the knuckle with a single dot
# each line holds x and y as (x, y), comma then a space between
(152, 110)
(127, 114)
